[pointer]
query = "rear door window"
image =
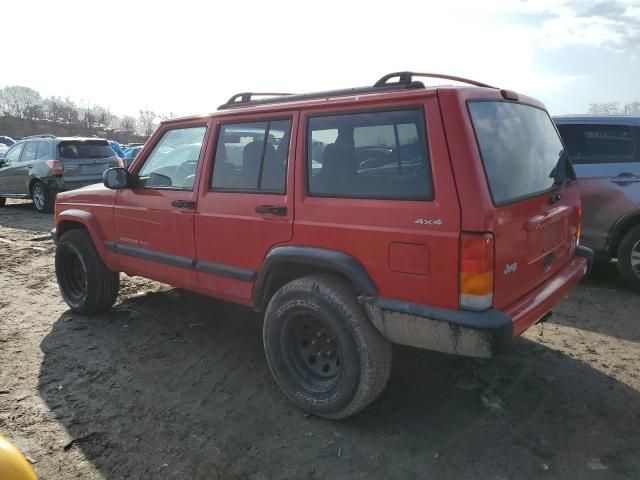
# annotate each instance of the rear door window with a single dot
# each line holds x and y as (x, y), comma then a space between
(519, 146)
(378, 155)
(29, 153)
(599, 143)
(43, 150)
(252, 157)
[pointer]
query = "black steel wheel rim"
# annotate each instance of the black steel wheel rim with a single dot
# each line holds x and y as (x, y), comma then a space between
(74, 275)
(311, 352)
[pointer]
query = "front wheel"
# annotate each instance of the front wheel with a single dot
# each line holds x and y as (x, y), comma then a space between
(322, 349)
(43, 198)
(629, 257)
(86, 283)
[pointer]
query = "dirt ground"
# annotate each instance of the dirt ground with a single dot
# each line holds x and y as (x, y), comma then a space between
(175, 385)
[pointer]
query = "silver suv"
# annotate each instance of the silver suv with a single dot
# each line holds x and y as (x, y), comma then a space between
(39, 166)
(605, 152)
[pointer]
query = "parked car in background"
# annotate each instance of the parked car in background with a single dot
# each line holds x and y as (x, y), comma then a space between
(424, 216)
(605, 152)
(5, 144)
(40, 166)
(130, 154)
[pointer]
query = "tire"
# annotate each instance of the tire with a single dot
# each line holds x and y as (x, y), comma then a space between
(43, 198)
(629, 258)
(85, 282)
(318, 311)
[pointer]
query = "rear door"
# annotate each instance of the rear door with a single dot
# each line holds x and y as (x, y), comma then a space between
(22, 168)
(375, 182)
(246, 203)
(535, 232)
(85, 160)
(607, 162)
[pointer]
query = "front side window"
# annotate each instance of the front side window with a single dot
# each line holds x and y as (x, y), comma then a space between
(29, 153)
(519, 146)
(598, 143)
(252, 157)
(13, 155)
(369, 155)
(172, 163)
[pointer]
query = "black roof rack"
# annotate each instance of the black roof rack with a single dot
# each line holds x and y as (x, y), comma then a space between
(405, 81)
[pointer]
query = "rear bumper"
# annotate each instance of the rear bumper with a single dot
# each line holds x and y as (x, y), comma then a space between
(473, 334)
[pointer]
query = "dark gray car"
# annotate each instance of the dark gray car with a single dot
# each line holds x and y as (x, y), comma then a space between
(605, 152)
(38, 167)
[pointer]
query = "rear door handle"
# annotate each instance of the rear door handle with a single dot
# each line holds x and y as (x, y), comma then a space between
(184, 204)
(271, 210)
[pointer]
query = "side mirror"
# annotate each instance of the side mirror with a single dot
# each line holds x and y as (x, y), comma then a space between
(116, 178)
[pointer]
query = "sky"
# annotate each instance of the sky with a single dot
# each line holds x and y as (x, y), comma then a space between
(187, 57)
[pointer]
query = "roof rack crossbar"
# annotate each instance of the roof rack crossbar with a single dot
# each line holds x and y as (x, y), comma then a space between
(407, 77)
(244, 97)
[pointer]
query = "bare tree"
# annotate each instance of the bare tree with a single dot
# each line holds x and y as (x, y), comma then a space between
(54, 108)
(128, 124)
(21, 102)
(632, 108)
(146, 122)
(604, 108)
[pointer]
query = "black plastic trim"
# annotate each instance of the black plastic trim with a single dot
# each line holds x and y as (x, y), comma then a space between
(160, 257)
(229, 271)
(331, 259)
(54, 235)
(586, 252)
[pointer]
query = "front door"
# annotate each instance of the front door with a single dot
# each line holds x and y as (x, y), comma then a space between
(245, 206)
(154, 219)
(7, 170)
(23, 168)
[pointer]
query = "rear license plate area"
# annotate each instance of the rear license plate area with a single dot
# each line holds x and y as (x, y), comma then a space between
(92, 169)
(546, 239)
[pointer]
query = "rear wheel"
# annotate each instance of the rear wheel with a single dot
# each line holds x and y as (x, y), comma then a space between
(629, 257)
(43, 198)
(86, 283)
(322, 349)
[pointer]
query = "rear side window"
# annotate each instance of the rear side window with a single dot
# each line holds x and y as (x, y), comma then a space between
(369, 155)
(520, 149)
(598, 143)
(85, 149)
(29, 153)
(252, 157)
(43, 150)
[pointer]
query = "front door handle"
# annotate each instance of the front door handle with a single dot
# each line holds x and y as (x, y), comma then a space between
(625, 177)
(184, 204)
(271, 210)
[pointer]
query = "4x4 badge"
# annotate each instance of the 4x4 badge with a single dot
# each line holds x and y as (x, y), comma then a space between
(428, 221)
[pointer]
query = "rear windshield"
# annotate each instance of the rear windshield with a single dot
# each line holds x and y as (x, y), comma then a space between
(519, 147)
(85, 150)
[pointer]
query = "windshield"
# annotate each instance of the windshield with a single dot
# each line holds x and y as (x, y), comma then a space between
(520, 149)
(85, 150)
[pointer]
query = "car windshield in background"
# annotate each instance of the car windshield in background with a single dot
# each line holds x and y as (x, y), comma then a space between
(520, 148)
(85, 150)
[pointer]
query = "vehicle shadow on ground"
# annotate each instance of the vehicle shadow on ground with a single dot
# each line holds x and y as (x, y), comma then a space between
(21, 214)
(176, 385)
(614, 313)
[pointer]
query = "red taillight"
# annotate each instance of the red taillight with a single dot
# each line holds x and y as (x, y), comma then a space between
(476, 270)
(56, 167)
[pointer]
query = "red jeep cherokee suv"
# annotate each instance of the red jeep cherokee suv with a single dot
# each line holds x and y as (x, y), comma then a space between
(444, 218)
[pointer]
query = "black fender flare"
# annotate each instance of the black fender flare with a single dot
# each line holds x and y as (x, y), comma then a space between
(340, 262)
(619, 228)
